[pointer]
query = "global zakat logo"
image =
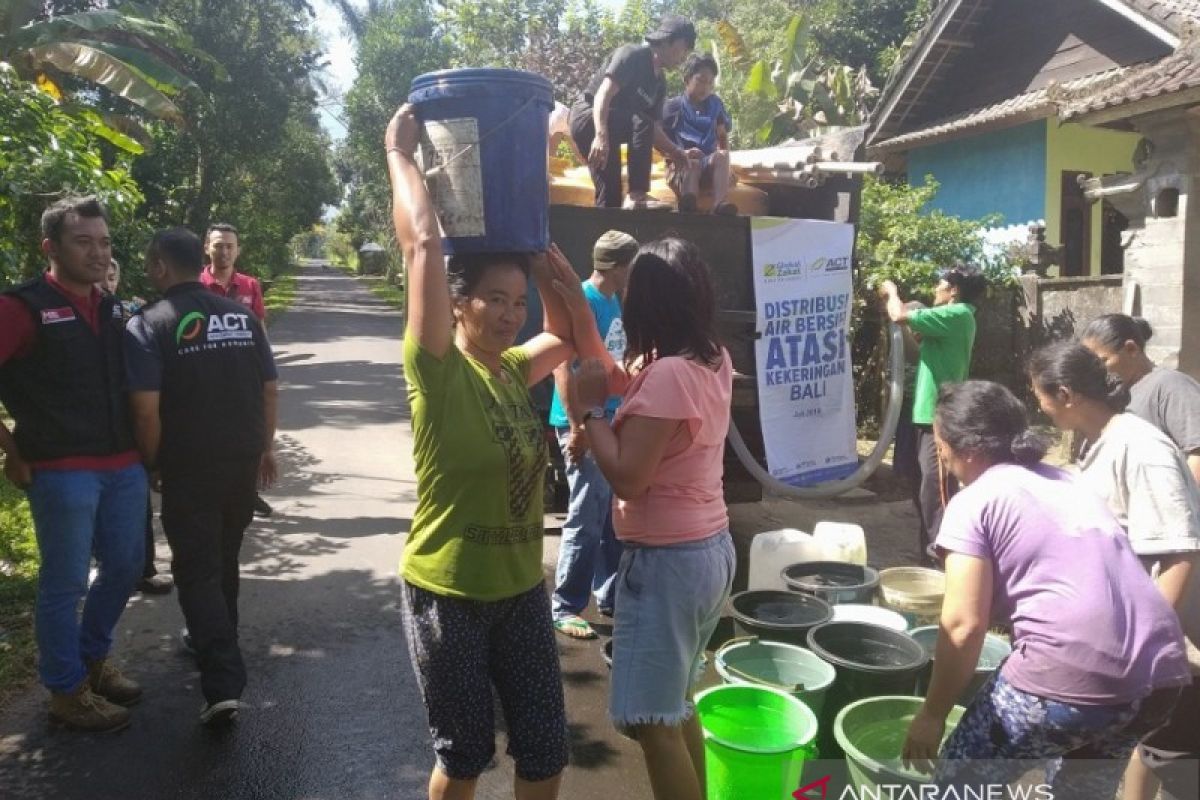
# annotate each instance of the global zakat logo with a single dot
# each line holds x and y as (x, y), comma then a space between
(799, 267)
(216, 327)
(189, 327)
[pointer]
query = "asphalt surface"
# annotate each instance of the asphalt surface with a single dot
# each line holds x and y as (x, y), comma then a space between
(333, 709)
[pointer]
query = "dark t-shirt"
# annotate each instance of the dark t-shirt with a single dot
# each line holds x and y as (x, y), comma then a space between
(209, 357)
(643, 90)
(1170, 401)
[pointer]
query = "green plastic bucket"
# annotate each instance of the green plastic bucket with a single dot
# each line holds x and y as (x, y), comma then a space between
(756, 740)
(779, 665)
(872, 732)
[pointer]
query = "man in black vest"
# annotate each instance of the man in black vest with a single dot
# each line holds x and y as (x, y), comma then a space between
(72, 451)
(203, 388)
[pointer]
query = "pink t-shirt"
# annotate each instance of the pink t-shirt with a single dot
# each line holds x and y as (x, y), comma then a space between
(686, 498)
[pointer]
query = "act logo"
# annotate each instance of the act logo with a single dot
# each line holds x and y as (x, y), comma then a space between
(224, 327)
(189, 327)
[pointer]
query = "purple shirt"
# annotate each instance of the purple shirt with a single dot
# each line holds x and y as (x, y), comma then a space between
(1089, 626)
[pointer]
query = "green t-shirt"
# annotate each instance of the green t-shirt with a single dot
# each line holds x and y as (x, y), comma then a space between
(947, 336)
(480, 455)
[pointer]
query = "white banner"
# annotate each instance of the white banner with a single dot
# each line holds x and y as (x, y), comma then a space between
(802, 290)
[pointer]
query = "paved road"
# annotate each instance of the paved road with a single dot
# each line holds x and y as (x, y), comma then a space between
(333, 706)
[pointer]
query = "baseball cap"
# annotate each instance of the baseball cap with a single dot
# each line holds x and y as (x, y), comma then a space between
(673, 26)
(613, 249)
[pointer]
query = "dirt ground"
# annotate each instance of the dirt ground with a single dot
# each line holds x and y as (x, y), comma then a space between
(883, 508)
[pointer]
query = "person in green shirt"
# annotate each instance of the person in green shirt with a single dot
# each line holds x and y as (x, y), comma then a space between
(475, 613)
(946, 332)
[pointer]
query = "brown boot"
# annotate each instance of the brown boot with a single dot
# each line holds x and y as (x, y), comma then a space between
(108, 682)
(84, 710)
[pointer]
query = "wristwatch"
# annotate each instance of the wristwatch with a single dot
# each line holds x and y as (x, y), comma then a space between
(595, 412)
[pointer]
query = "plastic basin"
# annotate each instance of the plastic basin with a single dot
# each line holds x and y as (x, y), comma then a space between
(915, 592)
(995, 650)
(777, 616)
(871, 733)
(756, 740)
(779, 665)
(833, 581)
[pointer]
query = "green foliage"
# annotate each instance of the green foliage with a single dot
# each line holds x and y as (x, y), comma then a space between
(256, 156)
(126, 53)
(865, 33)
(900, 239)
(46, 153)
(400, 41)
(18, 548)
(18, 588)
(281, 295)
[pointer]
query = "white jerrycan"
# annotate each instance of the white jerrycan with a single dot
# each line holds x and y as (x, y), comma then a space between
(841, 541)
(772, 551)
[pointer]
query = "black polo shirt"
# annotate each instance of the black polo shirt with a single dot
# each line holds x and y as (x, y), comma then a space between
(643, 89)
(209, 357)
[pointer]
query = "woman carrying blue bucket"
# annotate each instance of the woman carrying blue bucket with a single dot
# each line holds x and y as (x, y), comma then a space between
(475, 613)
(1098, 656)
(663, 458)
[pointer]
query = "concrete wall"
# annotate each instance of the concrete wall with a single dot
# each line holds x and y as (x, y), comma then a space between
(1162, 262)
(1001, 172)
(1079, 148)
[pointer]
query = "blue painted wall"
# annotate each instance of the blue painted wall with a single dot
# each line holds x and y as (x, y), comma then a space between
(1000, 172)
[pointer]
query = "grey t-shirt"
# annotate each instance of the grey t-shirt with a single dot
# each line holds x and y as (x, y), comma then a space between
(1170, 401)
(1144, 480)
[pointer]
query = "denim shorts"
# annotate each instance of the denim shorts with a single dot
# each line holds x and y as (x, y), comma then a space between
(669, 601)
(463, 651)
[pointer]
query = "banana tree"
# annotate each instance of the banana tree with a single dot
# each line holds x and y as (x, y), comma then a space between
(132, 56)
(804, 92)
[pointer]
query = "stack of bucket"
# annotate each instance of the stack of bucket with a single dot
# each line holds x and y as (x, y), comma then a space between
(809, 629)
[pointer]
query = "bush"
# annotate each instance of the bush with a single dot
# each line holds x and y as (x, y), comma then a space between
(18, 588)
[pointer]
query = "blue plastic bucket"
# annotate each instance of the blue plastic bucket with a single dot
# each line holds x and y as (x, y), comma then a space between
(483, 149)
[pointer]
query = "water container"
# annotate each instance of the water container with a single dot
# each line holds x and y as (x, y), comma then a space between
(876, 615)
(991, 656)
(771, 551)
(483, 148)
(870, 661)
(756, 741)
(833, 581)
(777, 616)
(778, 665)
(915, 592)
(872, 734)
(842, 541)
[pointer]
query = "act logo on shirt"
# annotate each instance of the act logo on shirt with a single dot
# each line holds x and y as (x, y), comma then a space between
(216, 327)
(50, 316)
(189, 327)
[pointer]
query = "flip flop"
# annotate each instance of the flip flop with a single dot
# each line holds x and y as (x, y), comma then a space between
(575, 627)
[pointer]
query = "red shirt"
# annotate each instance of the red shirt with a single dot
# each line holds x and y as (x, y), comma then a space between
(243, 288)
(18, 334)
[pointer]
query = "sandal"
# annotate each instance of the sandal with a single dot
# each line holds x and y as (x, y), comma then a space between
(574, 627)
(646, 204)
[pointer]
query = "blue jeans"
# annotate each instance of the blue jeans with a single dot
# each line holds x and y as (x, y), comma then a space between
(589, 553)
(78, 514)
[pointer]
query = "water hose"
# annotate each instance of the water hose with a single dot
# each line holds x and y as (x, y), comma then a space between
(833, 488)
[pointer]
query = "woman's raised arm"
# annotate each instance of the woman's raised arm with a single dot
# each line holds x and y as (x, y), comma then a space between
(429, 312)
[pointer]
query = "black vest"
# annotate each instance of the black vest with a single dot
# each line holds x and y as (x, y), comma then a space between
(67, 396)
(211, 397)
